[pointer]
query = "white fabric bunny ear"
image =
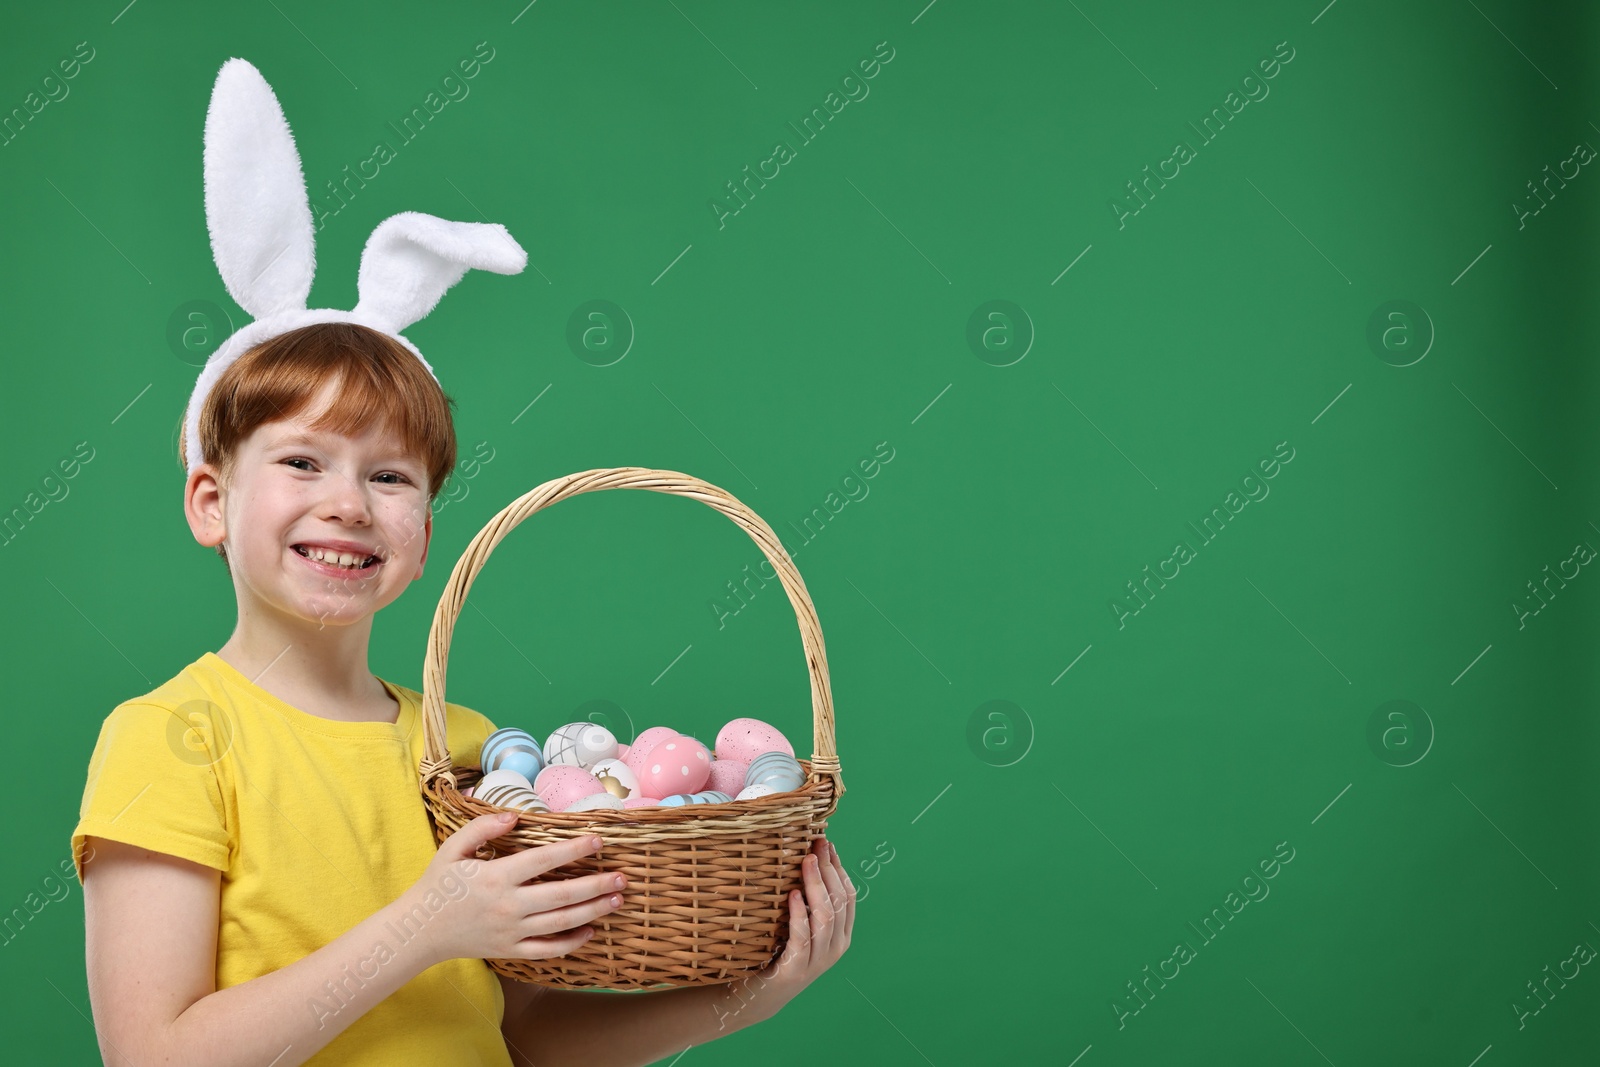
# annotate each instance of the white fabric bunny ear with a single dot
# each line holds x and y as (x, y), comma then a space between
(263, 241)
(256, 205)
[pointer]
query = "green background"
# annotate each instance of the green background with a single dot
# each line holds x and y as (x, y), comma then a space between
(1048, 849)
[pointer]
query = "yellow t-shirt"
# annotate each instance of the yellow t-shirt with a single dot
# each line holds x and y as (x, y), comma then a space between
(315, 824)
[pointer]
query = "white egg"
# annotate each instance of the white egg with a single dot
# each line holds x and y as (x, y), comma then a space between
(580, 744)
(594, 801)
(626, 780)
(750, 792)
(504, 776)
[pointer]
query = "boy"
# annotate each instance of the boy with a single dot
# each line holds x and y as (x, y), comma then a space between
(265, 886)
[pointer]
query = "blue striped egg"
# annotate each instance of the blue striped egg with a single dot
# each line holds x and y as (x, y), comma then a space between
(779, 770)
(706, 796)
(513, 750)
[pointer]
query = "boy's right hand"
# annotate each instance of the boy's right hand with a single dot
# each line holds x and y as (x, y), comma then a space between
(489, 913)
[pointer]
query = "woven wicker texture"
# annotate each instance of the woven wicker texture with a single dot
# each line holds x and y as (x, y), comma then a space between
(708, 884)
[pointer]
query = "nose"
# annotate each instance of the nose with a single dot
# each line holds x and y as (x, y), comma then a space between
(347, 500)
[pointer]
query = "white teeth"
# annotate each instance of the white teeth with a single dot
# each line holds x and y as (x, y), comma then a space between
(340, 559)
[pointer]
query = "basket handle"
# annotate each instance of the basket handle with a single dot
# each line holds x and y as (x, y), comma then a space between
(436, 760)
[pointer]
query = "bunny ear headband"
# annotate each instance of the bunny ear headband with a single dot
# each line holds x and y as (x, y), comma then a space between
(259, 218)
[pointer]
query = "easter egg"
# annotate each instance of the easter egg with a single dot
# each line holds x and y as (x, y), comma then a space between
(777, 769)
(560, 784)
(622, 750)
(594, 801)
(467, 792)
(707, 796)
(513, 796)
(677, 765)
(617, 777)
(727, 775)
(513, 750)
(750, 792)
(642, 802)
(643, 743)
(745, 739)
(580, 744)
(504, 776)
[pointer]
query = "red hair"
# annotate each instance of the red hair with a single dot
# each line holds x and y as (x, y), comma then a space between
(381, 382)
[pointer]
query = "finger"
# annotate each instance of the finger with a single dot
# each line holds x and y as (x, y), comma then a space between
(821, 910)
(850, 905)
(837, 900)
(549, 893)
(540, 948)
(799, 931)
(555, 920)
(464, 843)
(528, 864)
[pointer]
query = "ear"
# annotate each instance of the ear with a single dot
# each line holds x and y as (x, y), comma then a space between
(257, 211)
(202, 506)
(412, 258)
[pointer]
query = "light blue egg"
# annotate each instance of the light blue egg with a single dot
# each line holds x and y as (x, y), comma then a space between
(677, 800)
(779, 770)
(712, 796)
(514, 750)
(769, 759)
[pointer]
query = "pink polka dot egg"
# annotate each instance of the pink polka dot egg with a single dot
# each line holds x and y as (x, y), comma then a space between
(678, 764)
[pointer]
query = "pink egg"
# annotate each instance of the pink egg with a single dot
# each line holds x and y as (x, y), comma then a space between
(641, 802)
(622, 750)
(642, 744)
(676, 765)
(559, 784)
(727, 776)
(745, 739)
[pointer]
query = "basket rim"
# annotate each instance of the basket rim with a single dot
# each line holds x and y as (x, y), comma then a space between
(436, 762)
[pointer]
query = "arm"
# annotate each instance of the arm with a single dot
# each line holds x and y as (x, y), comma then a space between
(151, 941)
(559, 1026)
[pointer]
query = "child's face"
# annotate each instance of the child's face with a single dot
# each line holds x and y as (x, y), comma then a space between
(293, 488)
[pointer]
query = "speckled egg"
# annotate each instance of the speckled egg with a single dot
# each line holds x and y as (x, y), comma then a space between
(676, 765)
(594, 801)
(617, 777)
(642, 802)
(750, 792)
(580, 744)
(727, 775)
(513, 750)
(745, 739)
(643, 743)
(518, 797)
(777, 769)
(560, 784)
(622, 750)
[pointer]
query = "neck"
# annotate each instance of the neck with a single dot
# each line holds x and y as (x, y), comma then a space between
(321, 671)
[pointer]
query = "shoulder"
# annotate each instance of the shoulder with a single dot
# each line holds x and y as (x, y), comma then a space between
(466, 728)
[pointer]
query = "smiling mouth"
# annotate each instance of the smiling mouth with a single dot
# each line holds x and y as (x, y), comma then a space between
(366, 566)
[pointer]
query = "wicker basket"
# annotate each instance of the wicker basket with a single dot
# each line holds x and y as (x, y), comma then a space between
(708, 885)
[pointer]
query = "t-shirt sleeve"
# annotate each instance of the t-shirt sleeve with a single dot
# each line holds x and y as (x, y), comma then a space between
(468, 731)
(152, 782)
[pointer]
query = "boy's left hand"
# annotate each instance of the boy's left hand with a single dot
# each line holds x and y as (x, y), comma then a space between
(819, 928)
